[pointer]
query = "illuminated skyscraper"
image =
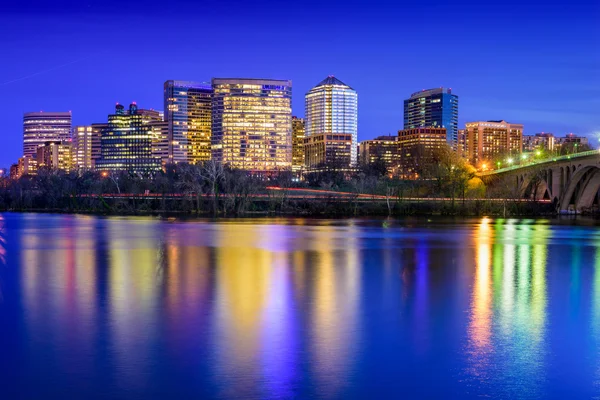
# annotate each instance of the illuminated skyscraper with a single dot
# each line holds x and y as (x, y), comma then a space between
(41, 127)
(298, 132)
(188, 111)
(82, 147)
(433, 108)
(128, 140)
(252, 124)
(332, 108)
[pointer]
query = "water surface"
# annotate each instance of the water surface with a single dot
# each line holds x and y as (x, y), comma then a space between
(144, 308)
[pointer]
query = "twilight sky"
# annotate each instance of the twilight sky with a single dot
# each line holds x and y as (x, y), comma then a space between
(536, 63)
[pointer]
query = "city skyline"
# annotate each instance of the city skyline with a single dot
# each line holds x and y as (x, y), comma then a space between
(544, 77)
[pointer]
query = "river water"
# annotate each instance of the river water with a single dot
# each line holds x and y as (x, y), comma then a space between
(291, 308)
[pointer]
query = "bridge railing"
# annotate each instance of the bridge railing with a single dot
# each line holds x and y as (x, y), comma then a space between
(543, 161)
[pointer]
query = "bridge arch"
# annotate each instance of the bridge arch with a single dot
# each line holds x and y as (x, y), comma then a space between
(582, 189)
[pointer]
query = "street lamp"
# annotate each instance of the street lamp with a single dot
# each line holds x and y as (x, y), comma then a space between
(510, 161)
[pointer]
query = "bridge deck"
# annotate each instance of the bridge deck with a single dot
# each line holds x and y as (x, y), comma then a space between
(544, 161)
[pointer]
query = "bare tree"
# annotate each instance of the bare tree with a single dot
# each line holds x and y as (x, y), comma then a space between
(192, 182)
(214, 173)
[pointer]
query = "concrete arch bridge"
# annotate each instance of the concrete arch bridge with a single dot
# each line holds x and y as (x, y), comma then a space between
(571, 182)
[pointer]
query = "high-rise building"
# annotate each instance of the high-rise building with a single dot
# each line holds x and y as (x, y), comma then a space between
(383, 149)
(489, 140)
(298, 132)
(55, 155)
(41, 127)
(417, 148)
(433, 108)
(82, 147)
(188, 110)
(127, 142)
(328, 151)
(252, 124)
(332, 108)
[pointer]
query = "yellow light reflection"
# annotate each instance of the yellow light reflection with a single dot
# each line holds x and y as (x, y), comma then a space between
(481, 313)
(336, 300)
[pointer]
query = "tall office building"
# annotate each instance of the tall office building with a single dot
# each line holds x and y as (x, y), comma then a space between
(128, 140)
(252, 123)
(489, 140)
(82, 147)
(433, 108)
(41, 127)
(188, 108)
(332, 108)
(298, 132)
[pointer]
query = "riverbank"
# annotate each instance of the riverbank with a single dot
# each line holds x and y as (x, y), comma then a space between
(281, 206)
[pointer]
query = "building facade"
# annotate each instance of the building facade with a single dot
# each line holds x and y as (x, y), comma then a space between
(417, 147)
(188, 111)
(82, 147)
(97, 130)
(252, 124)
(26, 166)
(161, 148)
(538, 142)
(127, 142)
(328, 151)
(332, 109)
(435, 108)
(381, 149)
(489, 140)
(55, 155)
(298, 134)
(572, 138)
(41, 127)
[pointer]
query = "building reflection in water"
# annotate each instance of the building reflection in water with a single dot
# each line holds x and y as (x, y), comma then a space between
(335, 307)
(508, 307)
(595, 320)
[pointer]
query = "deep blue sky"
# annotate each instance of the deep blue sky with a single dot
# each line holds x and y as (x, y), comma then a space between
(536, 63)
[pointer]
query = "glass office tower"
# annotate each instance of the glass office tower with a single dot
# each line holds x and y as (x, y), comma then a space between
(128, 140)
(332, 108)
(433, 108)
(41, 127)
(188, 111)
(252, 124)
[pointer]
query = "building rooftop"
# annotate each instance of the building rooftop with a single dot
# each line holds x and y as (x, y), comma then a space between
(429, 92)
(332, 80)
